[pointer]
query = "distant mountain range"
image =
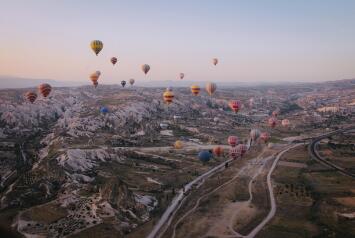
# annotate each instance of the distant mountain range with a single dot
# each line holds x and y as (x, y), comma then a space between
(18, 82)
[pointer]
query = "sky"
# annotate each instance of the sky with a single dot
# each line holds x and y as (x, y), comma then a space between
(255, 41)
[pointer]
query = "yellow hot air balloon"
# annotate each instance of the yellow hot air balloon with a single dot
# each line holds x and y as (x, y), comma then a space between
(145, 68)
(96, 46)
(211, 88)
(195, 90)
(178, 144)
(168, 97)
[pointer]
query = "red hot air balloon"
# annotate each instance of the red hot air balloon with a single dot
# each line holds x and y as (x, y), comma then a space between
(264, 136)
(233, 152)
(272, 122)
(45, 89)
(31, 96)
(234, 105)
(113, 60)
(232, 140)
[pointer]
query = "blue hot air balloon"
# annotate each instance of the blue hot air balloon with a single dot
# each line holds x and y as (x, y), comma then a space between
(104, 110)
(204, 156)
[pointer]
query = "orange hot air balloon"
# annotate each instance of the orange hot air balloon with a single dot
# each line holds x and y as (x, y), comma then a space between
(234, 105)
(218, 151)
(113, 60)
(31, 96)
(145, 68)
(168, 97)
(45, 89)
(272, 122)
(211, 88)
(178, 144)
(285, 122)
(181, 75)
(195, 90)
(215, 61)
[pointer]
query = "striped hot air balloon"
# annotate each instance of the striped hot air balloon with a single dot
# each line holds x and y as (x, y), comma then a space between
(168, 97)
(96, 46)
(211, 88)
(234, 105)
(113, 60)
(233, 152)
(145, 68)
(31, 96)
(232, 140)
(45, 89)
(195, 90)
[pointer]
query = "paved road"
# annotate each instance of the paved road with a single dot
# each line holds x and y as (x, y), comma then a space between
(315, 155)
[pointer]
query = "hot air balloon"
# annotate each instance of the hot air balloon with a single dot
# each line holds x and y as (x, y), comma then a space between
(254, 134)
(31, 96)
(241, 149)
(104, 110)
(275, 113)
(98, 73)
(272, 122)
(264, 136)
(211, 88)
(123, 83)
(251, 102)
(178, 144)
(181, 75)
(168, 97)
(232, 140)
(45, 89)
(233, 152)
(113, 60)
(204, 156)
(215, 61)
(96, 46)
(94, 77)
(218, 151)
(285, 122)
(234, 105)
(195, 90)
(145, 68)
(131, 82)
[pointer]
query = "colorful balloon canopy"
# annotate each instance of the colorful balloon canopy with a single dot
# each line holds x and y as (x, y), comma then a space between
(215, 61)
(241, 149)
(211, 88)
(113, 60)
(96, 46)
(168, 97)
(232, 140)
(94, 77)
(181, 75)
(45, 89)
(204, 156)
(234, 105)
(31, 96)
(145, 68)
(195, 90)
(233, 152)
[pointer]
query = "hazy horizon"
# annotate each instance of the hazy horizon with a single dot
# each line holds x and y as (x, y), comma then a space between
(259, 42)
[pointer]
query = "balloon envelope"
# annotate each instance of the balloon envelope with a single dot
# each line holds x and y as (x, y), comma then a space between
(145, 68)
(211, 88)
(104, 110)
(96, 46)
(204, 156)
